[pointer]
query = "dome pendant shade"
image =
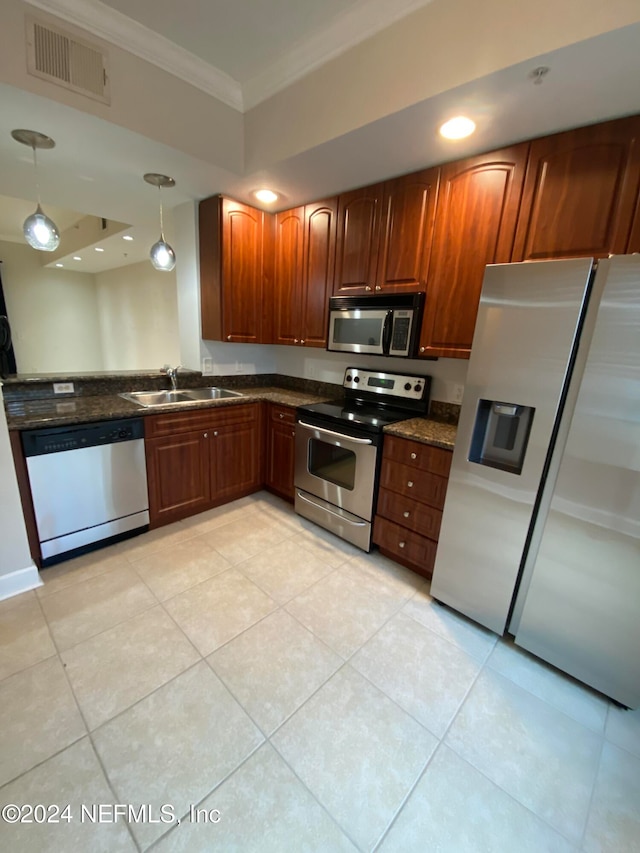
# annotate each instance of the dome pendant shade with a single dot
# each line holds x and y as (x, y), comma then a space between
(162, 255)
(40, 232)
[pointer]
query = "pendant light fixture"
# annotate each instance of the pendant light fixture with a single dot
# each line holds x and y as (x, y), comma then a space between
(40, 232)
(162, 255)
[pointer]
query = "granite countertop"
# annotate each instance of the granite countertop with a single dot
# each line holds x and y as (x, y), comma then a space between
(98, 401)
(52, 412)
(426, 431)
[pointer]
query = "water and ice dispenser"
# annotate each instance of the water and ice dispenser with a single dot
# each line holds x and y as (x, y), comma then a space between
(500, 435)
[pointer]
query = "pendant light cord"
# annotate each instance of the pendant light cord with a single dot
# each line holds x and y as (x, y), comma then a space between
(35, 169)
(161, 225)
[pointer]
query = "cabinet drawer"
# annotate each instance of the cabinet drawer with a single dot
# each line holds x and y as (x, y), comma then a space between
(282, 414)
(209, 418)
(423, 456)
(417, 517)
(410, 549)
(413, 483)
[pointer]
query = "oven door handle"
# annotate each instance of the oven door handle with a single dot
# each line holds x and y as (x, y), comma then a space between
(340, 435)
(330, 511)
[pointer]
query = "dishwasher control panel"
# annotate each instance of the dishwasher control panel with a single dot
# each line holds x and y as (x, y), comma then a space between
(37, 442)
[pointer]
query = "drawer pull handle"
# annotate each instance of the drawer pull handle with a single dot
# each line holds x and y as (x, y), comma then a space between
(406, 513)
(410, 484)
(401, 544)
(414, 455)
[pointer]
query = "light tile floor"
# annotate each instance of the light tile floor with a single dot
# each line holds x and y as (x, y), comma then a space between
(302, 696)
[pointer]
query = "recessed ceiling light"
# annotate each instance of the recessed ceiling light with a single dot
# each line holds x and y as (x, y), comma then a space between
(59, 265)
(266, 196)
(98, 249)
(77, 258)
(127, 237)
(457, 128)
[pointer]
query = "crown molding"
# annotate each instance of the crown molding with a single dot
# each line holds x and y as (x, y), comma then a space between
(123, 32)
(360, 22)
(354, 26)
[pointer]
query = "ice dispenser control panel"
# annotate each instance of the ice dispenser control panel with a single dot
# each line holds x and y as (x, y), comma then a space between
(500, 435)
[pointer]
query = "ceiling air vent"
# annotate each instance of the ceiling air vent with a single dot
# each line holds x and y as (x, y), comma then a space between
(62, 58)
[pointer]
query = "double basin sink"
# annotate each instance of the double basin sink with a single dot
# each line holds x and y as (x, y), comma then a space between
(187, 395)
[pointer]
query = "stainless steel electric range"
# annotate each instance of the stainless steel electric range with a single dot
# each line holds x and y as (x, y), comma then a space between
(339, 448)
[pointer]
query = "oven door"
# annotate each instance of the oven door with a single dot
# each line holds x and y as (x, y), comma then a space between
(360, 330)
(340, 469)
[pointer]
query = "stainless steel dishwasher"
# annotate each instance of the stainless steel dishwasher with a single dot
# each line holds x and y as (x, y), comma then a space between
(88, 484)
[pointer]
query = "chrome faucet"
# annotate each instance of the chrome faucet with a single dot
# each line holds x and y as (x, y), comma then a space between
(172, 373)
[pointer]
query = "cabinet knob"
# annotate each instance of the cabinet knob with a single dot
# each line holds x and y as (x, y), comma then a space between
(215, 432)
(414, 455)
(293, 433)
(228, 337)
(378, 287)
(410, 484)
(367, 287)
(281, 414)
(206, 435)
(401, 544)
(406, 513)
(302, 341)
(422, 349)
(295, 340)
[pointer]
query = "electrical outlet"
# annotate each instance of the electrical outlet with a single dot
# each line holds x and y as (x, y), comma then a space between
(207, 366)
(63, 387)
(239, 367)
(457, 394)
(311, 371)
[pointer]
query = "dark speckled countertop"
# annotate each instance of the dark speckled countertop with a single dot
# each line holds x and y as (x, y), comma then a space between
(426, 431)
(30, 404)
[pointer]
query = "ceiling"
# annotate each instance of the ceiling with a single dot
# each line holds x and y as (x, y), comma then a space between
(97, 166)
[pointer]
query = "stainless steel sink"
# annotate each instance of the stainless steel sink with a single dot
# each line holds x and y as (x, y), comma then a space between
(209, 393)
(188, 395)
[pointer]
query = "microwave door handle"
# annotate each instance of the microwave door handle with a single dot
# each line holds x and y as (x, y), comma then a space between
(387, 328)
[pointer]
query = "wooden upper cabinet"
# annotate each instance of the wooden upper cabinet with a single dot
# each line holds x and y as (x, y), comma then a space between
(287, 275)
(318, 266)
(231, 270)
(357, 240)
(475, 225)
(580, 193)
(406, 231)
(303, 273)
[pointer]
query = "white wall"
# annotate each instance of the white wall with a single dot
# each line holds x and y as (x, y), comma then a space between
(138, 317)
(330, 366)
(53, 314)
(14, 547)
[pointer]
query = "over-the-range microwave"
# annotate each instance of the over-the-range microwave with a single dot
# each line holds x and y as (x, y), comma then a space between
(377, 325)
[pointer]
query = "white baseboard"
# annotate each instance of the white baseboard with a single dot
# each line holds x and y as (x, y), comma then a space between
(22, 580)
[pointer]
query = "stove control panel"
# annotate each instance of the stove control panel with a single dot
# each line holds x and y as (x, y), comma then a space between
(397, 385)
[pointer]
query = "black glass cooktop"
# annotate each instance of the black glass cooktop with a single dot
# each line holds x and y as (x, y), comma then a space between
(367, 417)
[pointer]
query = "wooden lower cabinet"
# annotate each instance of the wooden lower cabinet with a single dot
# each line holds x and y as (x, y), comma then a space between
(280, 449)
(413, 485)
(202, 458)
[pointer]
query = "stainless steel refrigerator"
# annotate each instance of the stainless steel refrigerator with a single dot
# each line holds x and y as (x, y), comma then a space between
(540, 532)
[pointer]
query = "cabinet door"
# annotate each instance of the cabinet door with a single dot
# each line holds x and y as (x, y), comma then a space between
(287, 295)
(235, 452)
(407, 229)
(319, 259)
(178, 476)
(242, 234)
(357, 239)
(476, 216)
(580, 192)
(281, 450)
